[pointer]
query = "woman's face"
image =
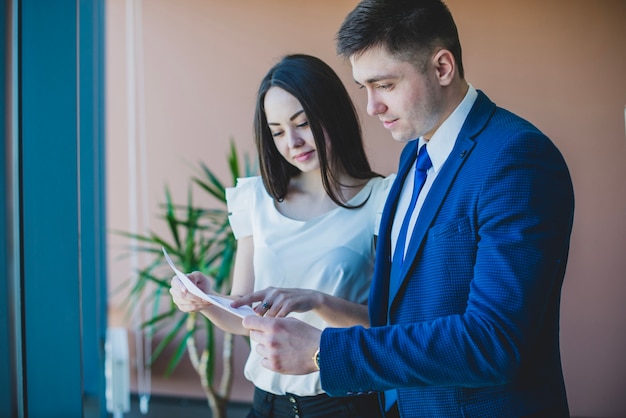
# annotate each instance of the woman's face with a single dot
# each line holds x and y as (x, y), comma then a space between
(290, 128)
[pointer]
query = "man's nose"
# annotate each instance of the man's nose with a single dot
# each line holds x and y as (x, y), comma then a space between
(374, 105)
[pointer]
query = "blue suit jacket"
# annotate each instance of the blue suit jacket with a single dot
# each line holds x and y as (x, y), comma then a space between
(474, 324)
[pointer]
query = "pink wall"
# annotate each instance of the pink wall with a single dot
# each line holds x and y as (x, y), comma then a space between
(558, 63)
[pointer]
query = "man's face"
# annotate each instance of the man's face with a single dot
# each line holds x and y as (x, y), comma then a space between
(408, 102)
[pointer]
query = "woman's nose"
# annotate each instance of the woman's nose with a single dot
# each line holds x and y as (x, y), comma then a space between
(294, 139)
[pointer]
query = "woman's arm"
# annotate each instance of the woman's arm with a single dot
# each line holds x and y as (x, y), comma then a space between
(279, 302)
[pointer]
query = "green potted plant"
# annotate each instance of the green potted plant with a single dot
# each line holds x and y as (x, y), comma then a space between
(200, 239)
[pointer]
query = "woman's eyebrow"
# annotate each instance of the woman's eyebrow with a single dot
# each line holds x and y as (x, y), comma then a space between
(295, 115)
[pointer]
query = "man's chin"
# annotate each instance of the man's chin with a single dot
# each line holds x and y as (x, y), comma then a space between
(398, 137)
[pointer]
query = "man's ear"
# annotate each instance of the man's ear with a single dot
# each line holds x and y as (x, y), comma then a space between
(445, 66)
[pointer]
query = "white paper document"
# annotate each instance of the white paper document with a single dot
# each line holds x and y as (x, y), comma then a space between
(218, 301)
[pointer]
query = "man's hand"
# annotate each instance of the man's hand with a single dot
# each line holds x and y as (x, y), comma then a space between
(286, 344)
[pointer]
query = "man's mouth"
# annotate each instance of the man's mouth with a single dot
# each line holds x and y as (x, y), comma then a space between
(389, 124)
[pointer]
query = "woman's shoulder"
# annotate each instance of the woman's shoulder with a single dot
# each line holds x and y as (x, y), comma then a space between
(381, 185)
(244, 190)
(253, 181)
(247, 183)
(374, 193)
(378, 197)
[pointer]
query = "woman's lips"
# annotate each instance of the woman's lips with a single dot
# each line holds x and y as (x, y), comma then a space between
(302, 157)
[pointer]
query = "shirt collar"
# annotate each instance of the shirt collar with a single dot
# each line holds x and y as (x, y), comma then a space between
(441, 143)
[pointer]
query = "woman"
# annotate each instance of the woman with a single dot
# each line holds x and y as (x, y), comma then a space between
(305, 229)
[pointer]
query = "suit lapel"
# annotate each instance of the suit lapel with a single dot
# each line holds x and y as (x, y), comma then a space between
(379, 291)
(481, 111)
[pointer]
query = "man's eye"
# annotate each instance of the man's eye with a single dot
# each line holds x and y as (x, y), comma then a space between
(384, 86)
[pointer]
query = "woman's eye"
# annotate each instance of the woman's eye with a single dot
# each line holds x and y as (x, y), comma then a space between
(303, 124)
(277, 134)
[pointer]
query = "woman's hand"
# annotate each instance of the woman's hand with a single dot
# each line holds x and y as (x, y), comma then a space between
(279, 302)
(184, 300)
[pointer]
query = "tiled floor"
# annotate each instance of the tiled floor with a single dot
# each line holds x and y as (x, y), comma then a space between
(165, 407)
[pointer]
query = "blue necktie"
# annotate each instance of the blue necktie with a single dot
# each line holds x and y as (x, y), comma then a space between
(422, 165)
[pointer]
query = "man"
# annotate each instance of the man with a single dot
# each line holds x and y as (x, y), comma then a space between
(466, 324)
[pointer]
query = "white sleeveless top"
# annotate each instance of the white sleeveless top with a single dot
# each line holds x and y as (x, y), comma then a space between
(333, 253)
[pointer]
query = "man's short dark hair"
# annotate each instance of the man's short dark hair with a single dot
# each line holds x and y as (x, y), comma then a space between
(411, 30)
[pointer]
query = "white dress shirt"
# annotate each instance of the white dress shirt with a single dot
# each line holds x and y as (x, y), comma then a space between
(439, 148)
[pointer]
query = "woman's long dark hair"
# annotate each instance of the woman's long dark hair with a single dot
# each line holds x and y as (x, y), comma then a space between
(329, 110)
